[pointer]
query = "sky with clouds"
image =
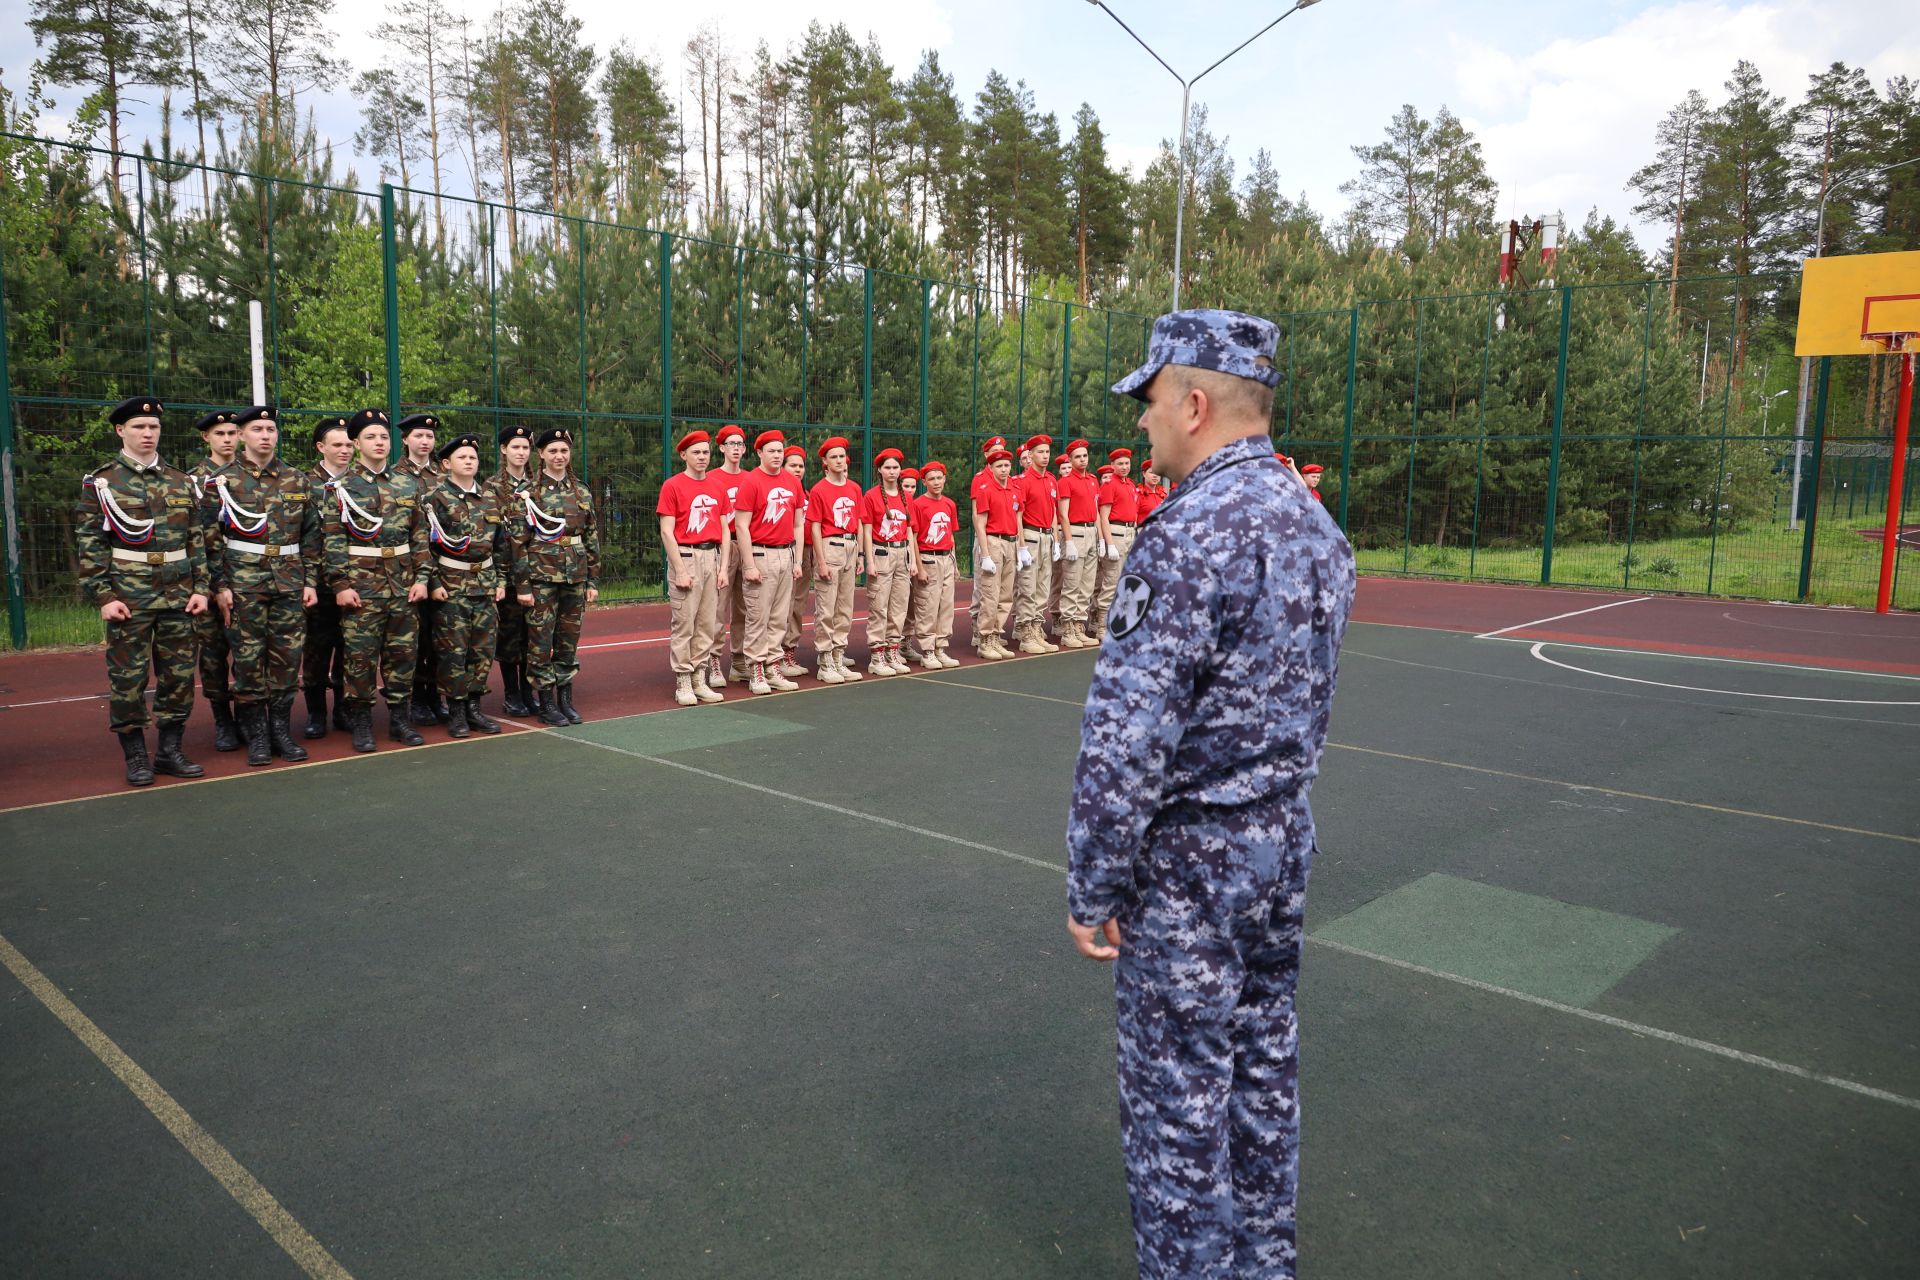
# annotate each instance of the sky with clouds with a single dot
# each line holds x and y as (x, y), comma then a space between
(1564, 101)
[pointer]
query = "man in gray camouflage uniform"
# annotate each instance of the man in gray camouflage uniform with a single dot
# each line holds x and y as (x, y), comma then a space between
(1190, 838)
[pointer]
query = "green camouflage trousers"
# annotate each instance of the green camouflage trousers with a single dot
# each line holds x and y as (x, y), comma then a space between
(464, 631)
(553, 632)
(512, 646)
(160, 640)
(215, 685)
(322, 663)
(383, 632)
(267, 635)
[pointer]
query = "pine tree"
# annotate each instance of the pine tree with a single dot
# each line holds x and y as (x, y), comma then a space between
(1833, 138)
(1666, 185)
(1746, 194)
(558, 115)
(393, 120)
(1096, 205)
(273, 51)
(934, 136)
(425, 33)
(106, 47)
(640, 125)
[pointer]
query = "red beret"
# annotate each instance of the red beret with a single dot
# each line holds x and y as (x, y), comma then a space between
(1106, 471)
(998, 455)
(766, 438)
(1038, 440)
(886, 455)
(929, 468)
(996, 442)
(690, 439)
(729, 432)
(1312, 469)
(908, 473)
(1119, 453)
(795, 451)
(1281, 457)
(833, 442)
(1077, 444)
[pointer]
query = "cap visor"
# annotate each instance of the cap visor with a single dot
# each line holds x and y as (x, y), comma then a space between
(1135, 383)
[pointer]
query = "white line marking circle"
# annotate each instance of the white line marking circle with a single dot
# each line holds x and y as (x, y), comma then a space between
(1694, 688)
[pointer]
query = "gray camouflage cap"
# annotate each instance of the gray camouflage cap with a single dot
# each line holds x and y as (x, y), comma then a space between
(1230, 342)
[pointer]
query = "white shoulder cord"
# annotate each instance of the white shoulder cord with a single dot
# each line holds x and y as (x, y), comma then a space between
(367, 524)
(111, 514)
(238, 516)
(546, 526)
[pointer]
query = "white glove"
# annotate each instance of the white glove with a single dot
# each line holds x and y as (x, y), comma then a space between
(987, 565)
(1073, 552)
(1056, 551)
(1108, 550)
(1026, 558)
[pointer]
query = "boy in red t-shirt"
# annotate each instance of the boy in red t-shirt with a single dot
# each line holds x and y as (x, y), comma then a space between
(935, 518)
(794, 461)
(996, 534)
(727, 471)
(769, 510)
(1033, 564)
(693, 532)
(1119, 519)
(909, 651)
(886, 544)
(833, 533)
(1079, 505)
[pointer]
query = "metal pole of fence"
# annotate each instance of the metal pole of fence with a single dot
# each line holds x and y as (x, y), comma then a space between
(1346, 443)
(666, 349)
(1106, 380)
(493, 320)
(806, 326)
(1020, 375)
(1720, 470)
(973, 409)
(926, 356)
(1559, 426)
(1639, 446)
(1413, 439)
(740, 333)
(146, 275)
(390, 272)
(1066, 375)
(580, 286)
(1480, 430)
(273, 295)
(866, 363)
(1819, 450)
(9, 495)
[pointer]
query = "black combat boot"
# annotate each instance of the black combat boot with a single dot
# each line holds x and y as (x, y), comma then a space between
(457, 719)
(226, 735)
(513, 677)
(478, 718)
(420, 709)
(550, 713)
(397, 727)
(134, 747)
(564, 700)
(280, 728)
(253, 720)
(316, 726)
(341, 720)
(360, 724)
(169, 759)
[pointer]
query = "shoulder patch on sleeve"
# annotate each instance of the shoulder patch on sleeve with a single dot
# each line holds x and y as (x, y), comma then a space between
(1131, 600)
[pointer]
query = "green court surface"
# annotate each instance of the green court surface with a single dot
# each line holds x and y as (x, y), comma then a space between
(1606, 978)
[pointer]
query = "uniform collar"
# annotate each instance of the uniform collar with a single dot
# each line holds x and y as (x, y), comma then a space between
(1246, 449)
(369, 472)
(137, 467)
(454, 485)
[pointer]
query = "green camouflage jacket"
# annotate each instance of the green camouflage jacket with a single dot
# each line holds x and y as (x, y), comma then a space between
(467, 529)
(375, 531)
(561, 544)
(267, 509)
(139, 537)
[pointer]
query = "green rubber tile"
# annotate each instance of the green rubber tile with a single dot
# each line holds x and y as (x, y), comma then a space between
(1516, 940)
(665, 732)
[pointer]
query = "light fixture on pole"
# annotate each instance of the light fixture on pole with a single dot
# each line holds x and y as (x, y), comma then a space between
(1186, 98)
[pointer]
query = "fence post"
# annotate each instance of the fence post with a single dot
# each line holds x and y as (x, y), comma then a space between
(493, 322)
(390, 280)
(1813, 480)
(9, 496)
(866, 364)
(1066, 375)
(146, 274)
(580, 254)
(973, 406)
(1106, 381)
(740, 332)
(1346, 442)
(1559, 426)
(666, 352)
(1413, 436)
(1020, 374)
(926, 356)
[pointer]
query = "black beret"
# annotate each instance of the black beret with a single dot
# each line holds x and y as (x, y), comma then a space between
(253, 412)
(135, 407)
(515, 432)
(325, 425)
(218, 418)
(550, 435)
(364, 419)
(465, 441)
(416, 422)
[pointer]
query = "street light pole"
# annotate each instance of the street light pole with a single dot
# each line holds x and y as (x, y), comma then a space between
(1186, 100)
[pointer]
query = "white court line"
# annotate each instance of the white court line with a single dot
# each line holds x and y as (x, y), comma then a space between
(1640, 1029)
(1522, 626)
(51, 702)
(1804, 667)
(622, 644)
(1730, 693)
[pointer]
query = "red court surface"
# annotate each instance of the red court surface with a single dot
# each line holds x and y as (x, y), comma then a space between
(54, 745)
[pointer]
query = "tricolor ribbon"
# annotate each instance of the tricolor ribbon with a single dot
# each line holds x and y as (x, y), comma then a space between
(546, 528)
(456, 545)
(235, 516)
(115, 521)
(367, 526)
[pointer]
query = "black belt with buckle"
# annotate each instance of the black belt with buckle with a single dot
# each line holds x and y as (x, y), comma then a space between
(1124, 524)
(943, 552)
(901, 543)
(1088, 525)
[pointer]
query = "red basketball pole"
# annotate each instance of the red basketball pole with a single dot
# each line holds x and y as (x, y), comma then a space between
(1896, 484)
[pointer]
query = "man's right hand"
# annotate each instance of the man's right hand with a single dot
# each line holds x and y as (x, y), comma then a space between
(115, 611)
(347, 598)
(753, 573)
(1086, 939)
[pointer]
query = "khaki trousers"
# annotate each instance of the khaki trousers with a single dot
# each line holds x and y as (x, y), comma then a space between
(731, 616)
(887, 579)
(696, 610)
(1031, 584)
(992, 592)
(833, 599)
(1107, 581)
(1076, 576)
(797, 610)
(768, 601)
(933, 602)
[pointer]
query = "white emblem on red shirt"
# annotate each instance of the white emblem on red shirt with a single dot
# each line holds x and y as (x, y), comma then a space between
(843, 512)
(697, 512)
(938, 527)
(778, 501)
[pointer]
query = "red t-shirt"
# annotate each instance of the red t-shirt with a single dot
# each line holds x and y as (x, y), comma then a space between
(727, 485)
(697, 507)
(887, 513)
(1039, 498)
(771, 501)
(1317, 495)
(981, 479)
(1001, 503)
(836, 507)
(1122, 501)
(1081, 489)
(1151, 496)
(934, 521)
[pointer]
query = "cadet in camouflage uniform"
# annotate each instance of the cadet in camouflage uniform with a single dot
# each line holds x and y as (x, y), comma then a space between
(416, 432)
(375, 530)
(1189, 837)
(510, 485)
(265, 558)
(141, 542)
(472, 553)
(222, 435)
(554, 571)
(323, 661)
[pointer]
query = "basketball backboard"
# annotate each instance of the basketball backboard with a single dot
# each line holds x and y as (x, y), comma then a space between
(1850, 305)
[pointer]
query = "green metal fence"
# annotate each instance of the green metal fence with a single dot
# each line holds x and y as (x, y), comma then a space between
(1630, 435)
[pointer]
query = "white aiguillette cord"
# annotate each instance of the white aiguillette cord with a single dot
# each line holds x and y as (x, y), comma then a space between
(238, 516)
(548, 527)
(129, 528)
(367, 523)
